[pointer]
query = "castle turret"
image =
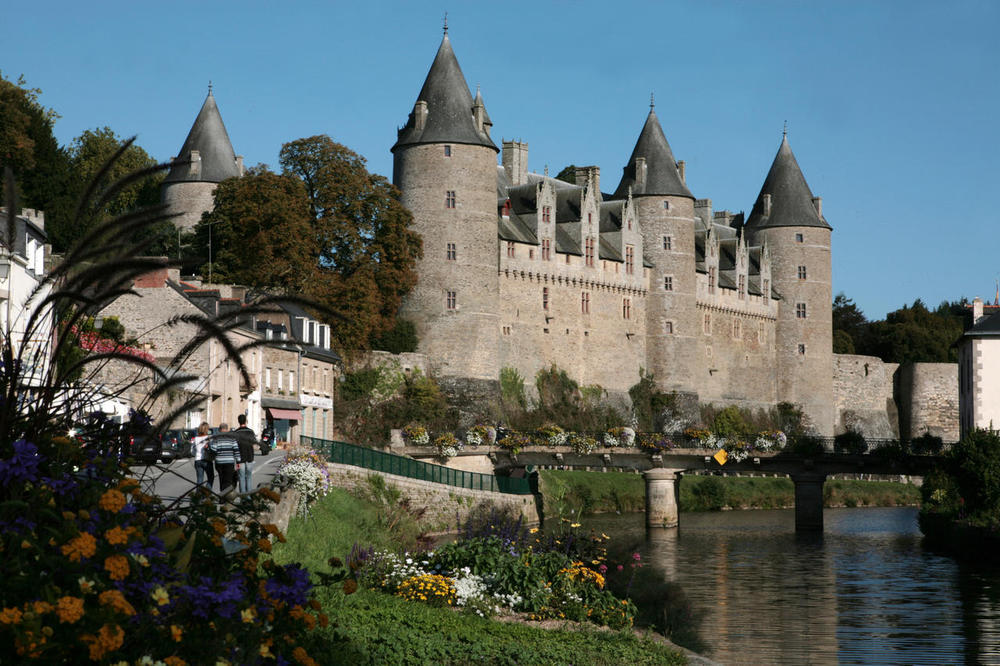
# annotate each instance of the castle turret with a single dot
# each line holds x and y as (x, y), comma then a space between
(789, 220)
(205, 160)
(445, 165)
(665, 210)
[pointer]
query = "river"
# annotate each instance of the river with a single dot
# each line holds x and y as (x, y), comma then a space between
(865, 591)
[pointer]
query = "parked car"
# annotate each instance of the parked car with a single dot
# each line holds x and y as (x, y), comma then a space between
(178, 443)
(147, 448)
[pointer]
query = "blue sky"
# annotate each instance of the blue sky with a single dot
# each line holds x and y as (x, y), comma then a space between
(891, 106)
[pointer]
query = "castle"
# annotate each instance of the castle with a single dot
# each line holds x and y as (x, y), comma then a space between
(522, 270)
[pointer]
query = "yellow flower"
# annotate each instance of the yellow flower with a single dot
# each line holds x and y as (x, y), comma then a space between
(575, 525)
(112, 500)
(141, 559)
(265, 650)
(176, 633)
(86, 585)
(69, 609)
(247, 615)
(160, 596)
(533, 530)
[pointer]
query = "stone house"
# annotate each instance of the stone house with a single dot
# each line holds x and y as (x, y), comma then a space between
(979, 372)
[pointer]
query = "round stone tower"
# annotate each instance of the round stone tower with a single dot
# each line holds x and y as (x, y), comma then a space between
(788, 219)
(665, 210)
(445, 165)
(205, 160)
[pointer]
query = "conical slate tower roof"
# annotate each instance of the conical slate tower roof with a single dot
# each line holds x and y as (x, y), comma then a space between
(791, 199)
(209, 137)
(662, 176)
(449, 106)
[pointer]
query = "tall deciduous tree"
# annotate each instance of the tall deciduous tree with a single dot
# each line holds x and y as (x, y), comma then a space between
(367, 250)
(261, 233)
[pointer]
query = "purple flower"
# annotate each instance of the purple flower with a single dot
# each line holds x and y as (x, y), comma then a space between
(22, 466)
(636, 556)
(603, 568)
(62, 486)
(295, 587)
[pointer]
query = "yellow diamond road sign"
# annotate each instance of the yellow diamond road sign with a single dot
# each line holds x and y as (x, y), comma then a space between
(721, 457)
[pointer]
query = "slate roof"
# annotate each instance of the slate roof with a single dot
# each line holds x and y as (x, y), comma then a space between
(791, 198)
(662, 176)
(988, 326)
(209, 137)
(449, 106)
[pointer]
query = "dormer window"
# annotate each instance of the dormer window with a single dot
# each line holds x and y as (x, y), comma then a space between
(506, 208)
(546, 213)
(447, 151)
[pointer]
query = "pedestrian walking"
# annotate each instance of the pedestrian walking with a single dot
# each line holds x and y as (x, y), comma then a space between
(227, 453)
(203, 457)
(247, 440)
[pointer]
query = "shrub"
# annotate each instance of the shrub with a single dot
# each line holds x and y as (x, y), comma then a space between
(927, 444)
(730, 423)
(401, 338)
(805, 445)
(850, 442)
(710, 493)
(512, 389)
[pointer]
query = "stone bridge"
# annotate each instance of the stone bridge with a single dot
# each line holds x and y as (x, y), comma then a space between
(663, 470)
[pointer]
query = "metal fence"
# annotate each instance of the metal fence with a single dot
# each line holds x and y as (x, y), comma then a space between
(360, 456)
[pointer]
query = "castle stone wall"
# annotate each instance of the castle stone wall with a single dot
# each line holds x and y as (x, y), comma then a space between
(928, 397)
(188, 200)
(863, 393)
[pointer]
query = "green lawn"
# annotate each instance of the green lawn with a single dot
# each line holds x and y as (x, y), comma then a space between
(370, 627)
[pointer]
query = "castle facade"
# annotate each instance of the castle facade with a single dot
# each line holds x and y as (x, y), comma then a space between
(521, 270)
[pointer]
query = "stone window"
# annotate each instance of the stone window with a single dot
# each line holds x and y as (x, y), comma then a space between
(545, 298)
(626, 308)
(451, 252)
(668, 283)
(711, 279)
(452, 301)
(589, 251)
(666, 205)
(767, 290)
(267, 378)
(706, 325)
(546, 249)
(737, 328)
(531, 253)
(590, 218)
(281, 383)
(567, 258)
(760, 333)
(742, 287)
(585, 302)
(629, 259)
(447, 151)
(668, 242)
(799, 238)
(668, 328)
(802, 272)
(506, 330)
(802, 349)
(291, 381)
(510, 249)
(800, 310)
(630, 224)
(546, 213)
(449, 199)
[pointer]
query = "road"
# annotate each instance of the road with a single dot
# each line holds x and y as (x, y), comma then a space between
(171, 481)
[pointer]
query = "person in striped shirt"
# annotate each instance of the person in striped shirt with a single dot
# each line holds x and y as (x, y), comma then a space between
(226, 449)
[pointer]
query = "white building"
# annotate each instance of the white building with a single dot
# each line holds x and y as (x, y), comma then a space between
(979, 372)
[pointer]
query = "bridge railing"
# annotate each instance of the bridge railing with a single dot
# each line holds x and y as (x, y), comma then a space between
(379, 461)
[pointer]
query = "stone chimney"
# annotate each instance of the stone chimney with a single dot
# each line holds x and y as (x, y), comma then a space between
(640, 173)
(977, 310)
(420, 114)
(515, 161)
(583, 175)
(767, 205)
(239, 165)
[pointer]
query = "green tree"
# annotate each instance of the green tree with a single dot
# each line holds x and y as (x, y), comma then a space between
(261, 234)
(849, 326)
(367, 250)
(568, 174)
(915, 334)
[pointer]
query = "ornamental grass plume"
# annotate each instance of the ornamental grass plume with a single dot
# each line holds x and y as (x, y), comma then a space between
(96, 568)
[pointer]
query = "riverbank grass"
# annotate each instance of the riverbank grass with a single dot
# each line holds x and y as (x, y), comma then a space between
(373, 627)
(585, 493)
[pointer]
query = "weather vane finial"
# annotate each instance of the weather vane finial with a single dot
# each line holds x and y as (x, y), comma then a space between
(652, 101)
(210, 86)
(784, 131)
(446, 23)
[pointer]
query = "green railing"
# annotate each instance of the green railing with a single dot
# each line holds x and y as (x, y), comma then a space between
(360, 456)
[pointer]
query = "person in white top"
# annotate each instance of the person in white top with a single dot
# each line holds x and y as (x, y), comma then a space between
(202, 457)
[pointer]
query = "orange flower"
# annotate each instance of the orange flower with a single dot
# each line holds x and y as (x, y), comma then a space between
(350, 586)
(42, 607)
(117, 566)
(112, 500)
(324, 621)
(108, 639)
(270, 494)
(174, 661)
(300, 655)
(69, 609)
(219, 526)
(83, 545)
(176, 633)
(10, 616)
(117, 600)
(127, 484)
(264, 545)
(69, 515)
(116, 536)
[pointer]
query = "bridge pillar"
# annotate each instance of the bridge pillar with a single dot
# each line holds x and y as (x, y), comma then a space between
(808, 500)
(661, 497)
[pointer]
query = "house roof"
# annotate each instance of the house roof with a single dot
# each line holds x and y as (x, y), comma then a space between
(791, 199)
(988, 326)
(209, 137)
(662, 175)
(449, 106)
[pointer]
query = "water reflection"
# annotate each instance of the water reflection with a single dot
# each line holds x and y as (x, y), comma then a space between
(862, 592)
